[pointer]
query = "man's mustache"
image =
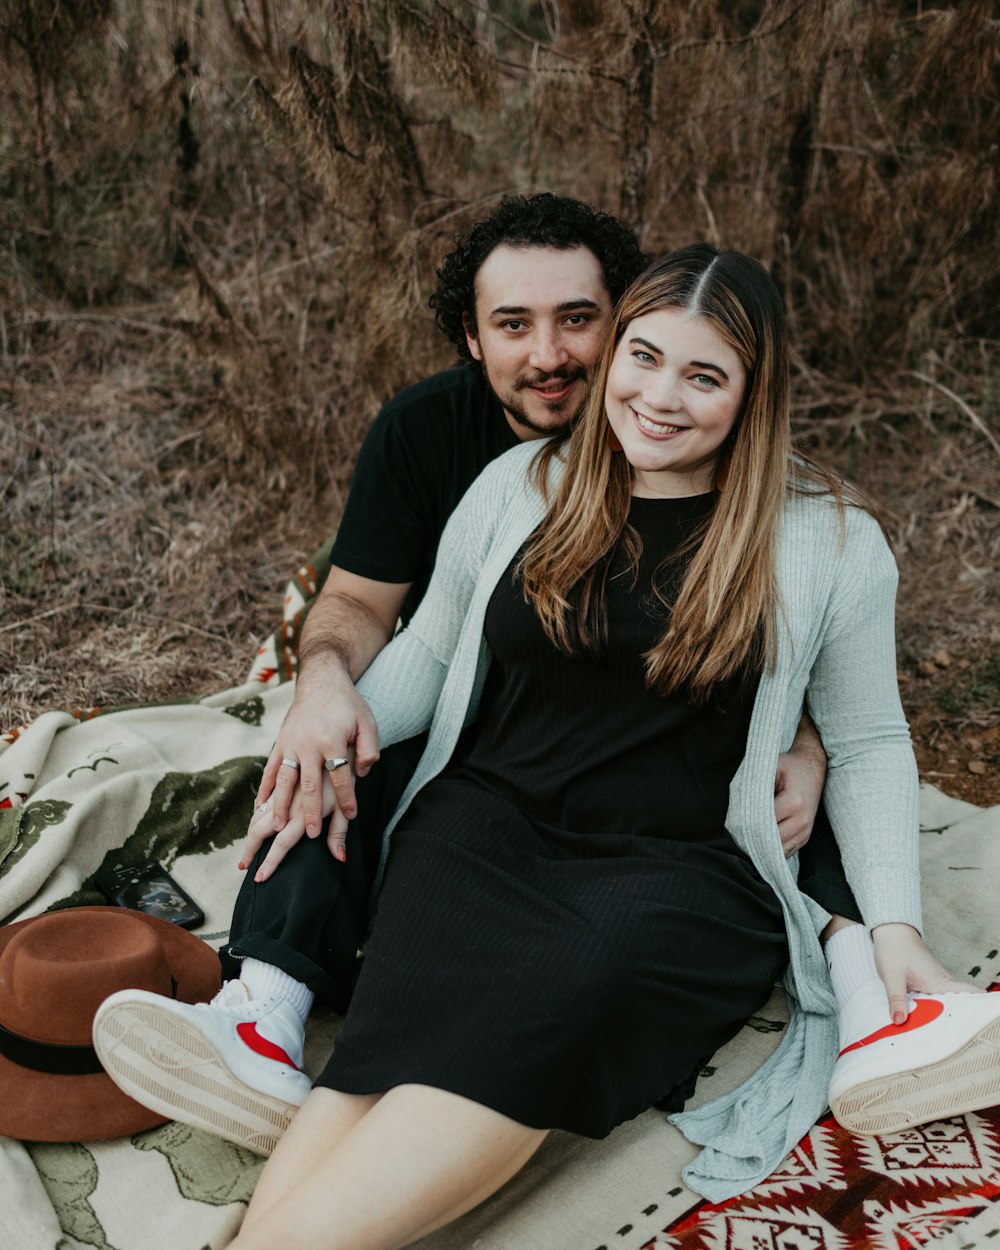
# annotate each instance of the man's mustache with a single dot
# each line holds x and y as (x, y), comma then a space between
(542, 379)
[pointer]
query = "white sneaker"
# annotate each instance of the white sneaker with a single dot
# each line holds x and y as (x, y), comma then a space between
(232, 1066)
(944, 1061)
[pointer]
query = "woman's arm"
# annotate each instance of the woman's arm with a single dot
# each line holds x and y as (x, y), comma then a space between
(871, 790)
(405, 680)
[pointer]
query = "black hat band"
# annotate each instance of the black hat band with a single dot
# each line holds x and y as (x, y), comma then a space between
(54, 1057)
(48, 1056)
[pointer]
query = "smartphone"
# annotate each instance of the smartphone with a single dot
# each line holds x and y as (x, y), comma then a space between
(149, 888)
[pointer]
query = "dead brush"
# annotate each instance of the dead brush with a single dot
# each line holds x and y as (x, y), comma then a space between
(933, 471)
(214, 267)
(145, 552)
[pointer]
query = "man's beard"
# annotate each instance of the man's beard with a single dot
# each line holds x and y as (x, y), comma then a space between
(512, 405)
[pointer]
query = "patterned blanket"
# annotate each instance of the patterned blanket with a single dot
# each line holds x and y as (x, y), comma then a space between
(175, 782)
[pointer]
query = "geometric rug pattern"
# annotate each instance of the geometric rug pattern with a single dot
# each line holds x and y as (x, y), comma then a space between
(836, 1191)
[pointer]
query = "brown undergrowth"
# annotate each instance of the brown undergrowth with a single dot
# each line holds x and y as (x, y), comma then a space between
(219, 227)
(934, 475)
(145, 559)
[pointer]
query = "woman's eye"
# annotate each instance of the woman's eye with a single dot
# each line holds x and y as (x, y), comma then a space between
(706, 379)
(644, 358)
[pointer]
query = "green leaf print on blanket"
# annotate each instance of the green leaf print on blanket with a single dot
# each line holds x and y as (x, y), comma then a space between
(21, 827)
(195, 813)
(188, 814)
(206, 1168)
(69, 1173)
(250, 711)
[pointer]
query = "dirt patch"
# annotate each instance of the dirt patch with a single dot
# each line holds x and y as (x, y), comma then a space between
(959, 752)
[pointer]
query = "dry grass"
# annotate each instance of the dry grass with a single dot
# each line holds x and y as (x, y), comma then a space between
(138, 565)
(219, 232)
(935, 476)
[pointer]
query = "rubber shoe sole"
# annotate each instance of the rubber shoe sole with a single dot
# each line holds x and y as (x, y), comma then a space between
(965, 1081)
(167, 1065)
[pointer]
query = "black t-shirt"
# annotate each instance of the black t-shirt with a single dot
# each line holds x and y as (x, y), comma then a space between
(423, 452)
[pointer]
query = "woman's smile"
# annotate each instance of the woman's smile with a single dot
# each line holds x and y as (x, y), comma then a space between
(655, 428)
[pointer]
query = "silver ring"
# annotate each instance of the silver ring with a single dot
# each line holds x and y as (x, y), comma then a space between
(265, 807)
(337, 762)
(286, 762)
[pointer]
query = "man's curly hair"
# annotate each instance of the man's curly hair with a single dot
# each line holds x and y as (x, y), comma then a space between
(542, 220)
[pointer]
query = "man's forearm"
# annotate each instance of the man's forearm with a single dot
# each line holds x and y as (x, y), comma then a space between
(328, 718)
(340, 633)
(807, 741)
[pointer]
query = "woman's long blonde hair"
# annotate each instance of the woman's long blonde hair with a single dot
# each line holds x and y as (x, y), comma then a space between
(724, 620)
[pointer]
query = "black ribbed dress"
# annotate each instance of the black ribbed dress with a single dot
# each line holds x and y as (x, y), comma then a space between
(566, 932)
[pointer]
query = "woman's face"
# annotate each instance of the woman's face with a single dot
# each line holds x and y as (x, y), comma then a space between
(674, 391)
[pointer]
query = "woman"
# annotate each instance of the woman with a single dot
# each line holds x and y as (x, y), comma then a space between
(594, 896)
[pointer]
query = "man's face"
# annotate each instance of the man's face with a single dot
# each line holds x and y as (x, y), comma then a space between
(542, 314)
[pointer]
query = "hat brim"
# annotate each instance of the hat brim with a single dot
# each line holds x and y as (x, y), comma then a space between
(48, 1106)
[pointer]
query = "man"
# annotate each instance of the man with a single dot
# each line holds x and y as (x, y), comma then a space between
(525, 298)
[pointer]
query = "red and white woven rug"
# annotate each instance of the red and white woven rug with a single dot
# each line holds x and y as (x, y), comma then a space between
(836, 1191)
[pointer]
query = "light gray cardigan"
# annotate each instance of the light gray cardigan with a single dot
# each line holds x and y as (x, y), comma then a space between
(836, 652)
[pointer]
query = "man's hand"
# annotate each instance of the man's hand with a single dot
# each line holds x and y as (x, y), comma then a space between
(798, 787)
(348, 625)
(905, 964)
(327, 720)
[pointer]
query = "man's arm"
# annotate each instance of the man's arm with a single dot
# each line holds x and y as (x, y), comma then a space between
(351, 621)
(798, 786)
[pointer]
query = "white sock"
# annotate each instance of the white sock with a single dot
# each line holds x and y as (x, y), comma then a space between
(264, 980)
(850, 956)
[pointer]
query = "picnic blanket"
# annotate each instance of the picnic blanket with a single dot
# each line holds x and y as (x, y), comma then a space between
(175, 782)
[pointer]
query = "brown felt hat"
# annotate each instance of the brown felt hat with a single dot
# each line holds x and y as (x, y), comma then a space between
(55, 971)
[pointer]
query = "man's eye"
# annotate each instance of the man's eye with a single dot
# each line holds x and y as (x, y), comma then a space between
(577, 319)
(513, 325)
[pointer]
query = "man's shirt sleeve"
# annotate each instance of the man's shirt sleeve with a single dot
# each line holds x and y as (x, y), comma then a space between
(385, 530)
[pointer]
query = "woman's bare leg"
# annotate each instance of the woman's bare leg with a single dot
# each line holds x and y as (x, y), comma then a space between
(416, 1160)
(326, 1114)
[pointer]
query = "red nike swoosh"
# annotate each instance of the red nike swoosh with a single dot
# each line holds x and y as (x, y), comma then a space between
(924, 1011)
(248, 1032)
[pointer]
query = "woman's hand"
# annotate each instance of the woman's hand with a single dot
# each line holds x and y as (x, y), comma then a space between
(905, 964)
(262, 827)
